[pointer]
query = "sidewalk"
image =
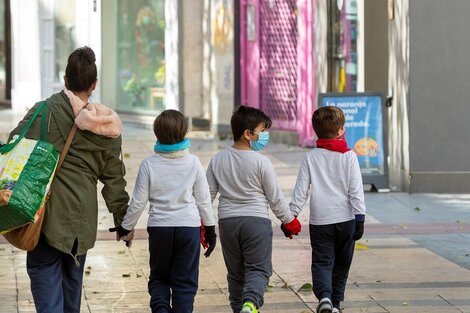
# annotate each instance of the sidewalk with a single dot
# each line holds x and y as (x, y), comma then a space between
(414, 256)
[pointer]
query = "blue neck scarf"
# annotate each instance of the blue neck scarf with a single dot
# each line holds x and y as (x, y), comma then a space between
(160, 147)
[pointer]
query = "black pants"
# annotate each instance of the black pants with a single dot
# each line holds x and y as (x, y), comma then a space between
(174, 268)
(332, 253)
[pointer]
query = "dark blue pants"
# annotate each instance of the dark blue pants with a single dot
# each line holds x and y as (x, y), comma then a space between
(56, 281)
(174, 268)
(332, 253)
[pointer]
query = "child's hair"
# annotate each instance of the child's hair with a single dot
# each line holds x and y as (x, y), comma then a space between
(81, 70)
(327, 121)
(247, 118)
(170, 127)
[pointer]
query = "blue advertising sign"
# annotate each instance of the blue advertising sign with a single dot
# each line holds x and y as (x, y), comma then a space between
(364, 128)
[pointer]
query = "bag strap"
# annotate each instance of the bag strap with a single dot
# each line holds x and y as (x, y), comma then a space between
(41, 108)
(67, 144)
(64, 152)
(43, 122)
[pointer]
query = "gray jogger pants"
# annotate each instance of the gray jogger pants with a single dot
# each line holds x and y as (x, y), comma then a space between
(247, 250)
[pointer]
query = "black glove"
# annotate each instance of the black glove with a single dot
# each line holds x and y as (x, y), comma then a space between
(286, 232)
(121, 231)
(210, 238)
(359, 230)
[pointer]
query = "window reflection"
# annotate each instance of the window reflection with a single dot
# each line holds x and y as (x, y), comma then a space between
(65, 38)
(141, 55)
(342, 45)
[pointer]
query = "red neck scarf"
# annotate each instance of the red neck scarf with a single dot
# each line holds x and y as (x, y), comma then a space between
(337, 145)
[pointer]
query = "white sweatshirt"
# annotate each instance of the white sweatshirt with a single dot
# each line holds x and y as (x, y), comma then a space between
(177, 191)
(335, 181)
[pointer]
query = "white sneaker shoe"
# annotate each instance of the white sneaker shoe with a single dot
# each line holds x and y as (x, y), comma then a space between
(325, 306)
(336, 310)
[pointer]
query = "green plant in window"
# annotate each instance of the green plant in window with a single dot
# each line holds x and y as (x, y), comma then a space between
(136, 88)
(160, 75)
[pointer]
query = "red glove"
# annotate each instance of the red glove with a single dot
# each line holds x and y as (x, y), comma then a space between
(203, 239)
(292, 228)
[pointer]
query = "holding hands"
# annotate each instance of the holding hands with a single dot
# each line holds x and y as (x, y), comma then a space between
(291, 228)
(124, 234)
(208, 239)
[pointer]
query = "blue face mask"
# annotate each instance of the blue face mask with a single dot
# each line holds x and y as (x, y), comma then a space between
(263, 139)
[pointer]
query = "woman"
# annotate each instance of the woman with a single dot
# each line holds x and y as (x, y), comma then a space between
(56, 265)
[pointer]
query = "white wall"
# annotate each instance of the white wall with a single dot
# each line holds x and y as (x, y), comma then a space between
(192, 52)
(218, 54)
(320, 42)
(33, 43)
(26, 69)
(88, 19)
(171, 54)
(398, 117)
(108, 73)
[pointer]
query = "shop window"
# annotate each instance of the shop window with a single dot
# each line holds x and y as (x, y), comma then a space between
(342, 46)
(140, 52)
(65, 37)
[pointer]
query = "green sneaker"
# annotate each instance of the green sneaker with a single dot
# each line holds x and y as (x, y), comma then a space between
(249, 307)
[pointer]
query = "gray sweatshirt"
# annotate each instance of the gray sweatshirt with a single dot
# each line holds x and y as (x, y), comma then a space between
(247, 184)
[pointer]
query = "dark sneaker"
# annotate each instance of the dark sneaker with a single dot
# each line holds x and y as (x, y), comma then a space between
(325, 306)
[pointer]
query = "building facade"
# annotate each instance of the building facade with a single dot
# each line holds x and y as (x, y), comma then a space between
(428, 77)
(205, 57)
(395, 47)
(149, 53)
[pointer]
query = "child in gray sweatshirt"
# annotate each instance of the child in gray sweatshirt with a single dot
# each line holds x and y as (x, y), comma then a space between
(248, 186)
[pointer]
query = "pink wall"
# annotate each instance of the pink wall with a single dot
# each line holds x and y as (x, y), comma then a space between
(249, 51)
(306, 77)
(250, 69)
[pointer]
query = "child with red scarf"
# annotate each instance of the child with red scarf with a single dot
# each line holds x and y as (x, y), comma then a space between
(337, 209)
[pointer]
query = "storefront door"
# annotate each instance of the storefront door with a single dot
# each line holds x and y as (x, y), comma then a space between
(279, 61)
(276, 51)
(343, 46)
(141, 68)
(65, 25)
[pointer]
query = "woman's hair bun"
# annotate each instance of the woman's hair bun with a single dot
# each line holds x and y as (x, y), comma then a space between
(87, 54)
(81, 69)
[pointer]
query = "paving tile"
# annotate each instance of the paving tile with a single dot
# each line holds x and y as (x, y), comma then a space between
(464, 309)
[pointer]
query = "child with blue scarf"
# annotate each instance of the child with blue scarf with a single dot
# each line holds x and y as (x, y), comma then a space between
(173, 181)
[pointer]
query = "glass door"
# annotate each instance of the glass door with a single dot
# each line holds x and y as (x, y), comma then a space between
(342, 45)
(65, 37)
(58, 20)
(140, 55)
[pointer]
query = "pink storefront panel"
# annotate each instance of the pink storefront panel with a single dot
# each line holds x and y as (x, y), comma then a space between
(278, 83)
(276, 62)
(306, 73)
(249, 52)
